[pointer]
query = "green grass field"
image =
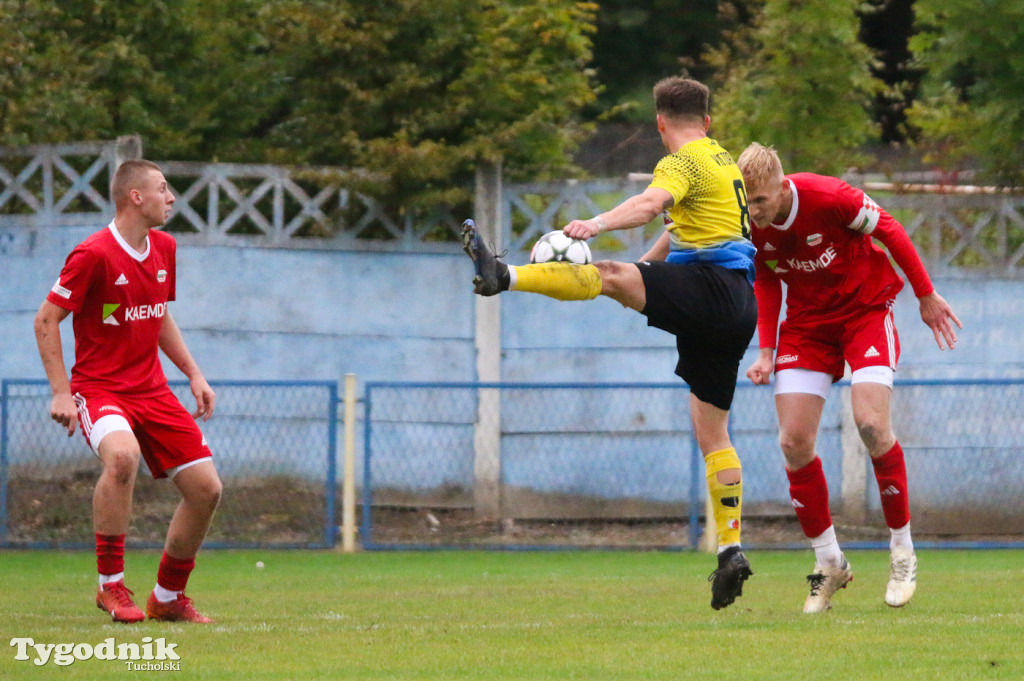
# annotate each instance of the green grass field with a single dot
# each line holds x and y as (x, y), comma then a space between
(489, 616)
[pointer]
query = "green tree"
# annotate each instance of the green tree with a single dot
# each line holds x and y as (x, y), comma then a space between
(972, 111)
(418, 92)
(91, 69)
(425, 91)
(797, 78)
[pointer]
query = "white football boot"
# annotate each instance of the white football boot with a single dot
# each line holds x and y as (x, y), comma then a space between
(825, 582)
(902, 578)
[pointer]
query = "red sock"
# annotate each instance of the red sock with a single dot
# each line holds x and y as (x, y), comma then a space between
(808, 490)
(110, 553)
(173, 572)
(891, 474)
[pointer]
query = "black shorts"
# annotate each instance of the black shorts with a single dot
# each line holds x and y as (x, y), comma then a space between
(712, 313)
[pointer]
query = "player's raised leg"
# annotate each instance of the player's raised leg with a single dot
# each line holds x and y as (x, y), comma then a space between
(200, 490)
(559, 280)
(112, 507)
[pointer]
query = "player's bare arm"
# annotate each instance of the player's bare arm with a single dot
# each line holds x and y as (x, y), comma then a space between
(660, 250)
(633, 212)
(760, 371)
(173, 345)
(51, 351)
(940, 318)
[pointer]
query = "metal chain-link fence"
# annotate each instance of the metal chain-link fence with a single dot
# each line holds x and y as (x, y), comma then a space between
(616, 465)
(274, 445)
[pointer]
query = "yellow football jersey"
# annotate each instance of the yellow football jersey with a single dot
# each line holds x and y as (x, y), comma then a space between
(710, 198)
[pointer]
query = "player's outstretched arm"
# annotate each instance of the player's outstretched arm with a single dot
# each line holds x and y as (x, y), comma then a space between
(760, 371)
(633, 212)
(47, 328)
(173, 345)
(939, 316)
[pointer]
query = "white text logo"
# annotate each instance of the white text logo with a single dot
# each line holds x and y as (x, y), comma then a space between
(820, 263)
(144, 312)
(60, 290)
(64, 654)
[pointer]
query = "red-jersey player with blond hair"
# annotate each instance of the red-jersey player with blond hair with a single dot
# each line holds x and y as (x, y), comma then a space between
(815, 234)
(117, 284)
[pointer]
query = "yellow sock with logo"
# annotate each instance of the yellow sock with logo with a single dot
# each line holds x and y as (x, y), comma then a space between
(726, 500)
(559, 280)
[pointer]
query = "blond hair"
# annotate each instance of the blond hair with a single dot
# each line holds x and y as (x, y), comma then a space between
(759, 165)
(130, 175)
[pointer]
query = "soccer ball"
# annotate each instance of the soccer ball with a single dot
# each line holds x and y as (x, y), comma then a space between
(557, 247)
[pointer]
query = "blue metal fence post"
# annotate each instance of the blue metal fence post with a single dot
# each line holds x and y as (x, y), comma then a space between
(330, 525)
(367, 478)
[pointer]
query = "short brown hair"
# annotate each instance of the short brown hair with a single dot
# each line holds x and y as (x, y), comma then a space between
(759, 165)
(684, 98)
(128, 176)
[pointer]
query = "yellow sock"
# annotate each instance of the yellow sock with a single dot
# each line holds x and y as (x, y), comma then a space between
(560, 280)
(726, 500)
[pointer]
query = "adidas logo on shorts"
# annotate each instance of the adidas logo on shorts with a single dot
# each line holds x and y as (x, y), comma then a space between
(871, 352)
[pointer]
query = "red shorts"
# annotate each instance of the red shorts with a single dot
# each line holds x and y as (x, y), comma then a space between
(167, 434)
(865, 340)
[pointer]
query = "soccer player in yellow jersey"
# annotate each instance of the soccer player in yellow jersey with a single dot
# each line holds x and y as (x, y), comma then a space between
(695, 283)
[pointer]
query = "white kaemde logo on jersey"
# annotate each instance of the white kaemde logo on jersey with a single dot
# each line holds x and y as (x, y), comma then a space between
(819, 263)
(61, 291)
(133, 314)
(786, 359)
(156, 654)
(121, 281)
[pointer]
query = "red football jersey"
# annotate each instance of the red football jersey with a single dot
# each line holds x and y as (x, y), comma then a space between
(118, 298)
(824, 253)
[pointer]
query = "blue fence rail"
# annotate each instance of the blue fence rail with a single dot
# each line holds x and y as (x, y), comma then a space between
(552, 465)
(274, 443)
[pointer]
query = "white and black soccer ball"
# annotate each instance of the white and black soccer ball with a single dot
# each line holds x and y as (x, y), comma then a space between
(557, 247)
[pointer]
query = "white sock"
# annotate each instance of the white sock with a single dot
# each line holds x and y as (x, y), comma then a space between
(826, 548)
(164, 595)
(512, 278)
(901, 539)
(107, 579)
(724, 547)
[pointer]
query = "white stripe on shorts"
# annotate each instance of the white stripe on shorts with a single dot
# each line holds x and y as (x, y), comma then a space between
(83, 415)
(890, 335)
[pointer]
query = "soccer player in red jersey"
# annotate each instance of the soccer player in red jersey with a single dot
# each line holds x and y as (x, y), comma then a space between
(117, 284)
(815, 234)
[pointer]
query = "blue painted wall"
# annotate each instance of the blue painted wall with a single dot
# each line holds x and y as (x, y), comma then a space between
(260, 313)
